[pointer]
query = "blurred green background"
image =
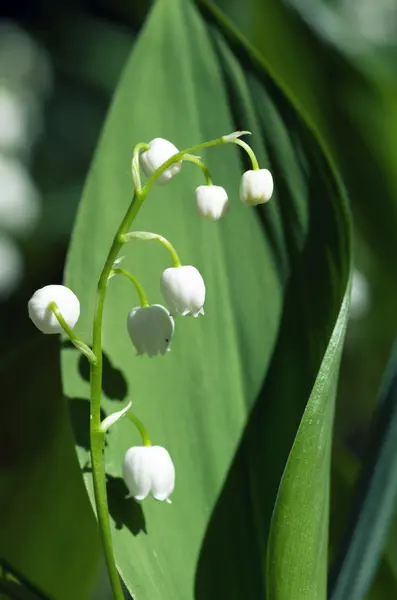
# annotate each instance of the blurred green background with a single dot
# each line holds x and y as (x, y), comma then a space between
(59, 65)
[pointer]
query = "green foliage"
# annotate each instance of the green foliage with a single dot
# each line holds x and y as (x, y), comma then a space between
(298, 545)
(260, 366)
(373, 507)
(48, 531)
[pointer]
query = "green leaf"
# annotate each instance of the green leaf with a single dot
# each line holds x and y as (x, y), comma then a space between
(345, 469)
(373, 507)
(300, 520)
(48, 533)
(227, 401)
(318, 37)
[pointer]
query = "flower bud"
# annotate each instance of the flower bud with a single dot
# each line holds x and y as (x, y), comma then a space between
(43, 317)
(159, 152)
(212, 201)
(151, 329)
(183, 289)
(149, 470)
(256, 187)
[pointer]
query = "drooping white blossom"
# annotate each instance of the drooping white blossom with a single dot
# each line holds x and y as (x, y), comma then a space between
(149, 470)
(43, 317)
(256, 187)
(159, 152)
(183, 289)
(212, 201)
(151, 329)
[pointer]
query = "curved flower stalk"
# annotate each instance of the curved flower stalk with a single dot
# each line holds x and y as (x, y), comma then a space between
(147, 469)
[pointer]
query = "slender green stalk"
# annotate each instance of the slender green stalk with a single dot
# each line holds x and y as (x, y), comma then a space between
(249, 151)
(97, 436)
(141, 293)
(177, 158)
(72, 335)
(136, 178)
(145, 236)
(141, 428)
(196, 160)
(174, 255)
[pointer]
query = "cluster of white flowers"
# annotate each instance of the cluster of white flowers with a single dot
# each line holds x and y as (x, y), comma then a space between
(211, 200)
(149, 469)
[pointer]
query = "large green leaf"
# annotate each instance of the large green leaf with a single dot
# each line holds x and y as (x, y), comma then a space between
(345, 469)
(375, 500)
(342, 78)
(303, 497)
(229, 398)
(48, 533)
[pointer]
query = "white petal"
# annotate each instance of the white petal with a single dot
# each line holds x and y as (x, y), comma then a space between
(43, 317)
(151, 329)
(256, 187)
(160, 150)
(183, 289)
(136, 471)
(163, 473)
(211, 201)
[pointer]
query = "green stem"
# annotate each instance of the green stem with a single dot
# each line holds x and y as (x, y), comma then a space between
(177, 158)
(249, 151)
(136, 177)
(148, 235)
(174, 255)
(195, 159)
(72, 335)
(135, 282)
(96, 434)
(141, 428)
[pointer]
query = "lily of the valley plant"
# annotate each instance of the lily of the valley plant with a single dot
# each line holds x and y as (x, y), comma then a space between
(147, 469)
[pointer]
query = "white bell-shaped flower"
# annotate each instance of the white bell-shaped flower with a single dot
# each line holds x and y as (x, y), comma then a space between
(183, 289)
(256, 187)
(151, 329)
(212, 201)
(159, 151)
(149, 470)
(43, 317)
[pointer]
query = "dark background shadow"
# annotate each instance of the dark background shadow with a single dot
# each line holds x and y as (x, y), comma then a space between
(79, 414)
(114, 384)
(124, 512)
